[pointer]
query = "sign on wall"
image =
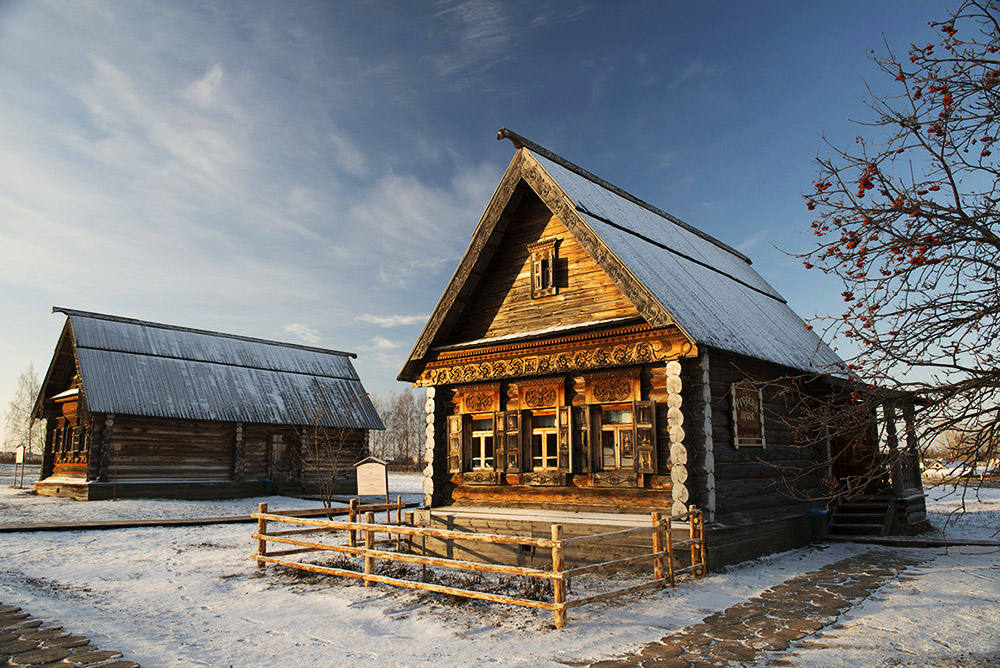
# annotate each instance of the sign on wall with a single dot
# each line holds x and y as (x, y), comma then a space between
(748, 415)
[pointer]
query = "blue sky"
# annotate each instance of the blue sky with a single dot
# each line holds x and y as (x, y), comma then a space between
(312, 171)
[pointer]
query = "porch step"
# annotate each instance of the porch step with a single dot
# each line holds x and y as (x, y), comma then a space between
(839, 529)
(863, 516)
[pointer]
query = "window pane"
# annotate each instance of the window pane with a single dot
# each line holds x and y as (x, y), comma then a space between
(618, 416)
(544, 420)
(551, 451)
(482, 424)
(608, 449)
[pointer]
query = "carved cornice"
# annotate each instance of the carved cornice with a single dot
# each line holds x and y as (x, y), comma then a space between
(545, 359)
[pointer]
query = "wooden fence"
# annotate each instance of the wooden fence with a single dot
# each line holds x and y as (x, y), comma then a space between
(661, 556)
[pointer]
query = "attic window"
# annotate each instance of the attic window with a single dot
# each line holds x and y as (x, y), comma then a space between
(543, 268)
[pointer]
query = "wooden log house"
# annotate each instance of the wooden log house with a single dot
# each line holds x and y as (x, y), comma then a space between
(593, 354)
(141, 409)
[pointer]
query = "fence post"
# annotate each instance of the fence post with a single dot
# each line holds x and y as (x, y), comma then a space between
(704, 552)
(261, 530)
(369, 544)
(657, 546)
(558, 584)
(692, 522)
(352, 516)
(399, 519)
(670, 555)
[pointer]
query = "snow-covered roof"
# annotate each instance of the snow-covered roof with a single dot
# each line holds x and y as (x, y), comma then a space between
(133, 367)
(713, 293)
(680, 274)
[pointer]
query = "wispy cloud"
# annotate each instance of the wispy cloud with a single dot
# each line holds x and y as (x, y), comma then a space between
(474, 34)
(302, 332)
(695, 70)
(750, 242)
(383, 344)
(393, 320)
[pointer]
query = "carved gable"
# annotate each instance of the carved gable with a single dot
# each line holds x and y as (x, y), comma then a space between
(504, 302)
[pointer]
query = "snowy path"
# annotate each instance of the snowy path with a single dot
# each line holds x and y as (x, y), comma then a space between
(191, 596)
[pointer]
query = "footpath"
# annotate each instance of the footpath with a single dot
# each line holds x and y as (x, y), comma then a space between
(760, 628)
(26, 641)
(751, 631)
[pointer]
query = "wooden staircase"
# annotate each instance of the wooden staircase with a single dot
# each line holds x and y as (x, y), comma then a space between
(863, 516)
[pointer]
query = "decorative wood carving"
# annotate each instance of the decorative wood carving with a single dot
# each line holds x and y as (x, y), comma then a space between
(543, 478)
(616, 479)
(585, 352)
(540, 397)
(621, 385)
(611, 390)
(479, 399)
(480, 478)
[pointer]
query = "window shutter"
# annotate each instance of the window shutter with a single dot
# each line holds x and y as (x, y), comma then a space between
(644, 421)
(454, 444)
(581, 440)
(498, 441)
(594, 417)
(512, 441)
(466, 442)
(565, 438)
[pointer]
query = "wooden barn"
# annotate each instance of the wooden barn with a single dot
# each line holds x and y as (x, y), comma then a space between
(141, 409)
(593, 355)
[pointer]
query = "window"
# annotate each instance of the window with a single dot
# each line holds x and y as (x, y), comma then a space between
(544, 442)
(617, 447)
(543, 268)
(482, 442)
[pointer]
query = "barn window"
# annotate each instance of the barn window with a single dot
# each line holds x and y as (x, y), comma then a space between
(544, 442)
(543, 268)
(617, 437)
(482, 442)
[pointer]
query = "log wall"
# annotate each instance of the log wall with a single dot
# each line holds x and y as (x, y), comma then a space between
(162, 448)
(748, 479)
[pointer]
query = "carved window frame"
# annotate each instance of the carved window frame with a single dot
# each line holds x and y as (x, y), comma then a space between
(478, 398)
(745, 391)
(614, 387)
(543, 257)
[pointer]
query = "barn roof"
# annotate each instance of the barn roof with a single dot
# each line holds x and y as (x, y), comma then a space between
(133, 367)
(672, 272)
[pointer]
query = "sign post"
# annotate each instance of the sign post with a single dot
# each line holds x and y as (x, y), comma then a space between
(373, 479)
(18, 461)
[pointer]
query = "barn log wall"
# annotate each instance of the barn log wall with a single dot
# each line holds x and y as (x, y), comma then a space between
(781, 475)
(503, 303)
(144, 448)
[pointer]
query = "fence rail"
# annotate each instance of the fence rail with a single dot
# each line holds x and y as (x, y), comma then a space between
(661, 554)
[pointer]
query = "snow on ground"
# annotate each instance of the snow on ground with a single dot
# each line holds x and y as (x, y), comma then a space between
(192, 596)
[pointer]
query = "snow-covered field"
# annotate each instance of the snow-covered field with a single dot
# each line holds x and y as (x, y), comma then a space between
(193, 597)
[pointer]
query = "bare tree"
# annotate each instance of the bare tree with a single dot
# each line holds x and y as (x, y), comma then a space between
(907, 219)
(19, 423)
(326, 453)
(402, 440)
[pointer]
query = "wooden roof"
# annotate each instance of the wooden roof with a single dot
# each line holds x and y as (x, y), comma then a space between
(133, 367)
(673, 273)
